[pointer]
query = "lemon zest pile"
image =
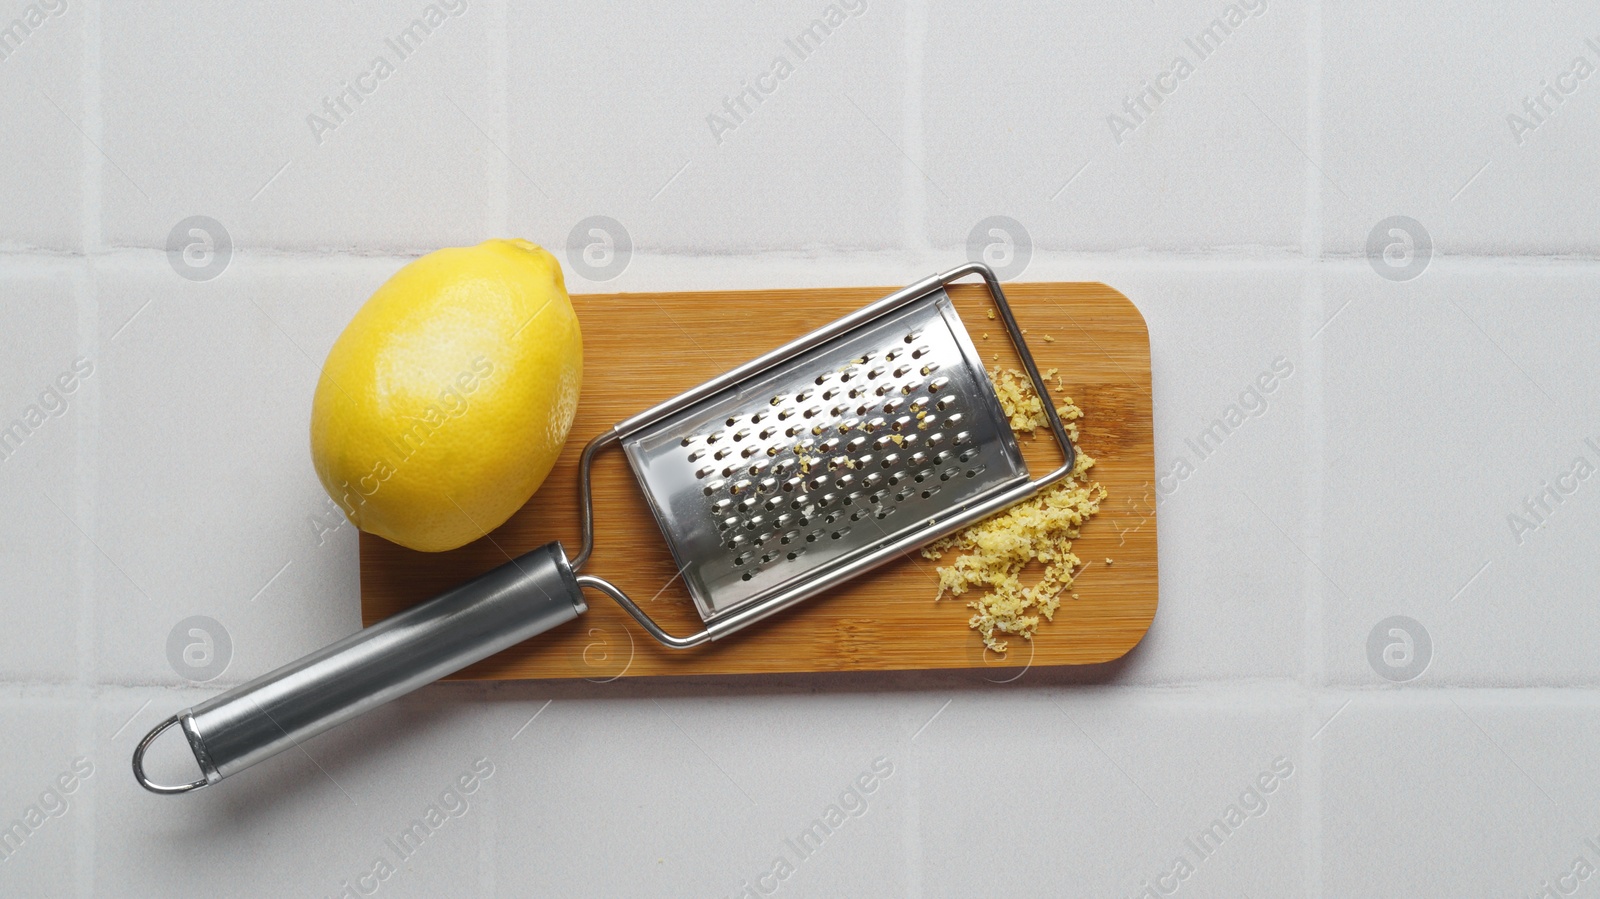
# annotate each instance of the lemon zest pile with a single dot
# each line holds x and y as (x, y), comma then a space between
(996, 551)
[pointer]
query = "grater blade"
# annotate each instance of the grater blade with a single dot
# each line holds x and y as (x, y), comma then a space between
(882, 431)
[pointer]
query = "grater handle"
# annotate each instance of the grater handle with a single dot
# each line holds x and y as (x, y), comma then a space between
(228, 733)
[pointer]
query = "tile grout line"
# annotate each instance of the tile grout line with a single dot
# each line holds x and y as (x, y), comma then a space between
(914, 237)
(1157, 261)
(92, 229)
(1315, 661)
(1314, 664)
(913, 183)
(912, 833)
(88, 443)
(488, 845)
(498, 212)
(85, 509)
(500, 218)
(1311, 314)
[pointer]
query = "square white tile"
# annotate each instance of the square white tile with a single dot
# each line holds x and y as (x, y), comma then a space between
(703, 791)
(305, 128)
(1170, 127)
(48, 384)
(1117, 789)
(769, 127)
(47, 797)
(45, 125)
(1470, 120)
(1395, 768)
(1451, 402)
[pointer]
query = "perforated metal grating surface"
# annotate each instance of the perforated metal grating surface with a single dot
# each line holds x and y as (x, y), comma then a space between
(878, 432)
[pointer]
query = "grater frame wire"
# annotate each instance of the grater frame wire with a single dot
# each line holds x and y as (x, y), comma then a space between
(745, 616)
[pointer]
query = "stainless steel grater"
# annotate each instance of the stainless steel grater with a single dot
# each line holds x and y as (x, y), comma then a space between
(814, 463)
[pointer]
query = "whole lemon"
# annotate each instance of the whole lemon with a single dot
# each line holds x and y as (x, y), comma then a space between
(445, 402)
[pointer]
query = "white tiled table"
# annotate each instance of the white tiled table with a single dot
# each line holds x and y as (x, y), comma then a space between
(174, 481)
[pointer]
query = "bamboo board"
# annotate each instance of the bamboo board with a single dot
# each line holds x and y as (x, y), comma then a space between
(640, 349)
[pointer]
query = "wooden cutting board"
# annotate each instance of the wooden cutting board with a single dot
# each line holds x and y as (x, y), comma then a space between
(640, 349)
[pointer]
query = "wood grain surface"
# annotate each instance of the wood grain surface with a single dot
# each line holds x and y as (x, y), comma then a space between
(640, 349)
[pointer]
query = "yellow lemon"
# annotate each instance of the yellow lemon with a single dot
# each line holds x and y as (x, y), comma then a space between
(445, 402)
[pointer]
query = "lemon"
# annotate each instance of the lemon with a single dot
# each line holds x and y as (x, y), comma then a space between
(445, 402)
